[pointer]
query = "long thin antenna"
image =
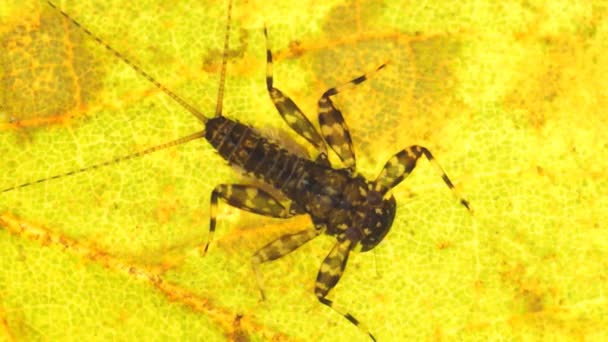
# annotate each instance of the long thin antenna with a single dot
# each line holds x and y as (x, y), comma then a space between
(116, 160)
(151, 79)
(220, 90)
(134, 66)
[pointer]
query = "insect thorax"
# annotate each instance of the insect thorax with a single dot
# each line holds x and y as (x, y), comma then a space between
(348, 207)
(345, 205)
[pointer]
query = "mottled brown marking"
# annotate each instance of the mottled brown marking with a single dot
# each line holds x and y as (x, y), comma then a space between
(49, 75)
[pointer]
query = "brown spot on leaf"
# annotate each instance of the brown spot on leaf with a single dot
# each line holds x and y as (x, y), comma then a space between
(443, 244)
(48, 75)
(410, 99)
(530, 294)
(212, 60)
(167, 206)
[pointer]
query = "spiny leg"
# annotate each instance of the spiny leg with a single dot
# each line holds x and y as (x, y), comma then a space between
(333, 128)
(329, 274)
(279, 248)
(248, 198)
(403, 163)
(289, 111)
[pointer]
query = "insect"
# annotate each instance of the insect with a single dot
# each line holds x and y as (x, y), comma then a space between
(357, 211)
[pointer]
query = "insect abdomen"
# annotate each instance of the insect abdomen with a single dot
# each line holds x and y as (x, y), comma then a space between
(240, 145)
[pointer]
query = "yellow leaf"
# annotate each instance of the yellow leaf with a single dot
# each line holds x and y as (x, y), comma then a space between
(509, 97)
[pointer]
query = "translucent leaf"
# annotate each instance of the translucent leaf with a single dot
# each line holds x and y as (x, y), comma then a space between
(510, 98)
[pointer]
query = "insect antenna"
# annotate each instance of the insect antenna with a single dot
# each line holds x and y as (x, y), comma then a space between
(220, 90)
(141, 72)
(116, 160)
(134, 66)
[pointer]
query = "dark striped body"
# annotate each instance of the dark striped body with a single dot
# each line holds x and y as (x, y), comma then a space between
(241, 146)
(334, 199)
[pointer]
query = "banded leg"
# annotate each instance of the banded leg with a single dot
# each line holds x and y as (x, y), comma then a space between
(289, 111)
(329, 275)
(333, 128)
(248, 198)
(403, 163)
(278, 248)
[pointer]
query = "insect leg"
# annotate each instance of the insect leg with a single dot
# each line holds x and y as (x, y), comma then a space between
(278, 248)
(248, 198)
(333, 128)
(329, 274)
(289, 111)
(403, 163)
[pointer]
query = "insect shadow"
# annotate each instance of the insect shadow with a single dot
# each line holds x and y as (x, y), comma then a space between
(358, 212)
